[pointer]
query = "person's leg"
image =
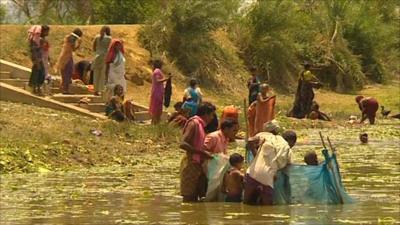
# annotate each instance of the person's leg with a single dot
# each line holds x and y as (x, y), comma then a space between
(96, 78)
(371, 118)
(67, 75)
(102, 78)
(267, 195)
(250, 191)
(189, 180)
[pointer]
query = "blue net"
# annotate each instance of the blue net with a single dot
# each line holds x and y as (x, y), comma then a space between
(304, 184)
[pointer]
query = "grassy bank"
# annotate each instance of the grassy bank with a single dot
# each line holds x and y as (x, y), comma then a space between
(34, 139)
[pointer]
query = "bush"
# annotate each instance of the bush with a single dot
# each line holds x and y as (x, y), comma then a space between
(183, 32)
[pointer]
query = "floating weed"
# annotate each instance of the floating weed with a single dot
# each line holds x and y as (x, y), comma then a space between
(282, 216)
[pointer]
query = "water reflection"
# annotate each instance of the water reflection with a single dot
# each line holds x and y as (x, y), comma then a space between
(149, 194)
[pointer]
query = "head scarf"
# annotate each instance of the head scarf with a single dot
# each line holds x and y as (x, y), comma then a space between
(359, 98)
(111, 54)
(271, 126)
(34, 34)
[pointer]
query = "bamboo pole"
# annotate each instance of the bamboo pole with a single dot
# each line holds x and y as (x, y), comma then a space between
(331, 167)
(334, 174)
(246, 137)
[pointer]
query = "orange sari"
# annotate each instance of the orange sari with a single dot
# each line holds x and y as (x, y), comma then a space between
(260, 112)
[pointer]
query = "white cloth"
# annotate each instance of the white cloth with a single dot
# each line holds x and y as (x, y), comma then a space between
(274, 154)
(117, 73)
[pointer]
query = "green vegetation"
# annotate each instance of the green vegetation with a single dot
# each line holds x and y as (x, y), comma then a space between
(184, 33)
(350, 43)
(54, 140)
(347, 41)
(3, 13)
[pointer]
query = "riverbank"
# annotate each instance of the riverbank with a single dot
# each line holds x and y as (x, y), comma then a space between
(34, 139)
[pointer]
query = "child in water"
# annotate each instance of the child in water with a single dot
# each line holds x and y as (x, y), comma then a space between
(364, 138)
(233, 179)
(311, 158)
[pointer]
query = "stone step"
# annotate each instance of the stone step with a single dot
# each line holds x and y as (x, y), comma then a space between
(142, 116)
(76, 98)
(93, 107)
(73, 89)
(20, 83)
(5, 75)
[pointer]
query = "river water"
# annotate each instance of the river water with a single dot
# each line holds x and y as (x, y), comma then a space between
(149, 193)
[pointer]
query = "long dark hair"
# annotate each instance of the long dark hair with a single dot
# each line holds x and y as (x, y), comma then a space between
(105, 30)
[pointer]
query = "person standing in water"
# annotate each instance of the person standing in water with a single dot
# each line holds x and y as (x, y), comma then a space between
(100, 47)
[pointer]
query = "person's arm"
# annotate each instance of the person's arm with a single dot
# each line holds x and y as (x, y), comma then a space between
(162, 80)
(200, 94)
(188, 135)
(107, 71)
(362, 108)
(260, 99)
(209, 144)
(95, 44)
(324, 116)
(223, 186)
(76, 44)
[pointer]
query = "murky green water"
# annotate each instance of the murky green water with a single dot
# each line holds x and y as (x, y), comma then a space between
(149, 194)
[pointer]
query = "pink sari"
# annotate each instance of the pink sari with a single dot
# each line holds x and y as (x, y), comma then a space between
(157, 94)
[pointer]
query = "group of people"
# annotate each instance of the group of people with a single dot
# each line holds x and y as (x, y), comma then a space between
(106, 71)
(271, 152)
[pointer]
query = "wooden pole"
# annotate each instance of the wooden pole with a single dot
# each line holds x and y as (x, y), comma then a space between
(334, 174)
(322, 140)
(246, 137)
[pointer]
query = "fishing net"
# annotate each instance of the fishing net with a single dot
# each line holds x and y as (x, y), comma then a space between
(306, 184)
(216, 168)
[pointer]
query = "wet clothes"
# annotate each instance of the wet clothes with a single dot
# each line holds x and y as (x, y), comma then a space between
(256, 193)
(168, 93)
(369, 106)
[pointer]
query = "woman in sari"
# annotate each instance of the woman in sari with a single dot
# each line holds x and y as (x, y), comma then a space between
(157, 93)
(261, 111)
(115, 67)
(117, 109)
(304, 94)
(65, 62)
(100, 47)
(36, 37)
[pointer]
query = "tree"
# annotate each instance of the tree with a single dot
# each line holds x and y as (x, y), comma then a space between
(3, 13)
(183, 32)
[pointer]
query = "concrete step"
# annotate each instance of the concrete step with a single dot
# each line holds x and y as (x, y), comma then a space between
(20, 83)
(93, 107)
(73, 89)
(142, 116)
(5, 75)
(76, 98)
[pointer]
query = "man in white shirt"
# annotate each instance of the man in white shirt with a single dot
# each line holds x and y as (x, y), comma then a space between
(273, 154)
